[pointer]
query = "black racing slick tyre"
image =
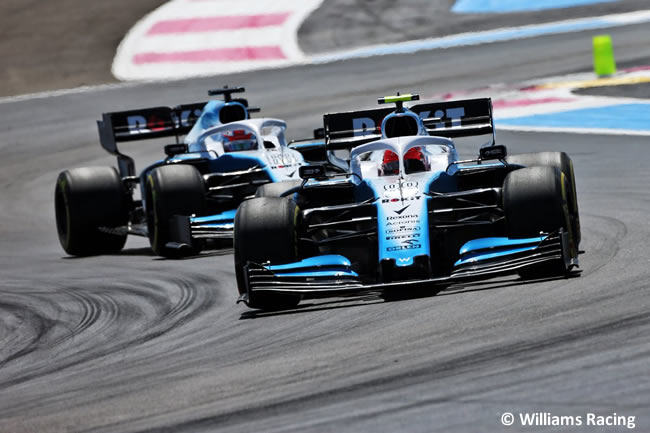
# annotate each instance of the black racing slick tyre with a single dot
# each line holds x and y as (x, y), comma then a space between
(90, 203)
(277, 189)
(265, 231)
(172, 190)
(534, 201)
(562, 162)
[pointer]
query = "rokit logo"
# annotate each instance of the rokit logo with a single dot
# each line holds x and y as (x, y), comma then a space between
(140, 124)
(395, 200)
(449, 117)
(187, 117)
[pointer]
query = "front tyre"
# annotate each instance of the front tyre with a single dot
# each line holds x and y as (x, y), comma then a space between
(265, 231)
(562, 162)
(90, 204)
(535, 201)
(171, 190)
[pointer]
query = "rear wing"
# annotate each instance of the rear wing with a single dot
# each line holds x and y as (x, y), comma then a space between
(450, 119)
(461, 118)
(142, 124)
(354, 123)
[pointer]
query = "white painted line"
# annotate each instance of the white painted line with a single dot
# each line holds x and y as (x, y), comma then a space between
(490, 36)
(72, 91)
(598, 131)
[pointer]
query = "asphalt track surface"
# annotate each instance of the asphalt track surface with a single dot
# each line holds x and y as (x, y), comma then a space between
(133, 343)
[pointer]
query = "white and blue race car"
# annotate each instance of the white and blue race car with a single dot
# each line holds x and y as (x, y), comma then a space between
(408, 215)
(222, 160)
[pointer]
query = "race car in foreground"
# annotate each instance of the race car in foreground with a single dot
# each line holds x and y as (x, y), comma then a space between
(408, 216)
(224, 157)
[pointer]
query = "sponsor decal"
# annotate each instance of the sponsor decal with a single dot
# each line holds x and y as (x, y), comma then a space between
(404, 247)
(401, 191)
(403, 223)
(282, 160)
(364, 126)
(187, 117)
(403, 217)
(407, 244)
(407, 236)
(395, 200)
(402, 229)
(400, 211)
(452, 114)
(396, 185)
(139, 124)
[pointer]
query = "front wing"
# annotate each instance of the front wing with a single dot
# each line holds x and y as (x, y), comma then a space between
(332, 276)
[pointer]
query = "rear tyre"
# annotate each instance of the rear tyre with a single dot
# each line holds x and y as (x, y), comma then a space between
(265, 231)
(534, 201)
(89, 202)
(172, 190)
(276, 189)
(562, 162)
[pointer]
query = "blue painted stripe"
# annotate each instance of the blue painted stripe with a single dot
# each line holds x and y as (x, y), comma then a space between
(489, 36)
(504, 6)
(635, 116)
(319, 274)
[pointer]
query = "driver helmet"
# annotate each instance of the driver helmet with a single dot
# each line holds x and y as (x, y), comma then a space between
(414, 160)
(239, 140)
(389, 163)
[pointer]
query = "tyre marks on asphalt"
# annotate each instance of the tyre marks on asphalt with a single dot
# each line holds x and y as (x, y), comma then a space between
(194, 38)
(21, 329)
(47, 332)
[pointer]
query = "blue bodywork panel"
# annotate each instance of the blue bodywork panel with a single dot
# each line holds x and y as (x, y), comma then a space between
(490, 248)
(224, 220)
(331, 265)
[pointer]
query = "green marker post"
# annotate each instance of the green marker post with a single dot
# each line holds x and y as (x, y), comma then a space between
(604, 64)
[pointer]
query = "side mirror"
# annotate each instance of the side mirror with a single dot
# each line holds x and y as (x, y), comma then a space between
(175, 149)
(311, 171)
(319, 133)
(493, 152)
